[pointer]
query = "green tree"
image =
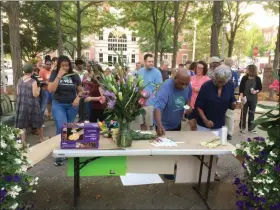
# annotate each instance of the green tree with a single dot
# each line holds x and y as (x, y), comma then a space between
(37, 30)
(236, 19)
(146, 15)
(273, 7)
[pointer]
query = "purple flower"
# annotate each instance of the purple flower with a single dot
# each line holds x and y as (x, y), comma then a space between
(236, 181)
(263, 154)
(3, 194)
(262, 199)
(259, 138)
(249, 139)
(111, 104)
(260, 161)
(240, 204)
(8, 178)
(136, 89)
(248, 205)
(277, 168)
(276, 206)
(260, 171)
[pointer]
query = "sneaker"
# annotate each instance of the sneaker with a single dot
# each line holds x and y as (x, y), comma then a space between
(229, 137)
(243, 131)
(43, 126)
(253, 131)
(217, 177)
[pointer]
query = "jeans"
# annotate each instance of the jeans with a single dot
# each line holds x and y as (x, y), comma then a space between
(46, 96)
(63, 113)
(251, 115)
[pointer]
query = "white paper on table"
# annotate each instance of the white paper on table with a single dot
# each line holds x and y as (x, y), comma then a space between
(215, 132)
(140, 179)
(164, 142)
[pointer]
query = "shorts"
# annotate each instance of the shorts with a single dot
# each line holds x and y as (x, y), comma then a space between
(144, 119)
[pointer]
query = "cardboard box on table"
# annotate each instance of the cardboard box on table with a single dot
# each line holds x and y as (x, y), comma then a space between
(161, 160)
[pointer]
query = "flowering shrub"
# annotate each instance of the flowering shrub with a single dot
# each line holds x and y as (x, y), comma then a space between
(14, 182)
(260, 188)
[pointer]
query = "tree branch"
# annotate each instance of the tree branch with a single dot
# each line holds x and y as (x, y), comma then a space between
(89, 4)
(184, 16)
(68, 15)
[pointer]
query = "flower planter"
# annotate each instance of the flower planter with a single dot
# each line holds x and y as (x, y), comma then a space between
(124, 137)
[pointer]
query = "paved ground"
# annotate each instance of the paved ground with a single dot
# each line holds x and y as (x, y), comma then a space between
(55, 190)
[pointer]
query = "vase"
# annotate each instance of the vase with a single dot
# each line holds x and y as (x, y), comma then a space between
(124, 137)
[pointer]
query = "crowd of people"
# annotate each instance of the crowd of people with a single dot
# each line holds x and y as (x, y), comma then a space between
(208, 90)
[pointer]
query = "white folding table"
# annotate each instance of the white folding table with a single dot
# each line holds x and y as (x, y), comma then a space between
(193, 162)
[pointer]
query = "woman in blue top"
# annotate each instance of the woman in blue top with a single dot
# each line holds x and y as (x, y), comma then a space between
(213, 100)
(67, 91)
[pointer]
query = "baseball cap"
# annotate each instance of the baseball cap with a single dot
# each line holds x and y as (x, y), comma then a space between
(215, 59)
(229, 62)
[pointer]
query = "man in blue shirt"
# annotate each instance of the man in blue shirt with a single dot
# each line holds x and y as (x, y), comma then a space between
(173, 95)
(152, 78)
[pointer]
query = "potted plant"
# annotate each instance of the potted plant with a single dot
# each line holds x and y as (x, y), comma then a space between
(14, 182)
(260, 188)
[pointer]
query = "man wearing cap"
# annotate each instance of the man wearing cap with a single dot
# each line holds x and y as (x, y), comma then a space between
(213, 63)
(230, 113)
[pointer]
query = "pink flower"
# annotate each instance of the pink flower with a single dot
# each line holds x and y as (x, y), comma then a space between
(275, 85)
(142, 101)
(144, 93)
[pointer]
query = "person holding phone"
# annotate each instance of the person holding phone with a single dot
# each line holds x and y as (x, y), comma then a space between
(67, 91)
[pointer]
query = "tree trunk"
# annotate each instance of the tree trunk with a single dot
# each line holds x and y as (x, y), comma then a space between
(156, 51)
(58, 27)
(217, 11)
(79, 30)
(175, 33)
(161, 56)
(277, 51)
(12, 8)
(230, 47)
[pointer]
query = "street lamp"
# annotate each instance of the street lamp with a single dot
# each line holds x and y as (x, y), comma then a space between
(194, 39)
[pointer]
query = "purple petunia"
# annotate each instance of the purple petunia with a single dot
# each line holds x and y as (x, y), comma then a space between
(249, 139)
(277, 168)
(3, 194)
(240, 204)
(260, 161)
(260, 171)
(276, 206)
(236, 181)
(259, 138)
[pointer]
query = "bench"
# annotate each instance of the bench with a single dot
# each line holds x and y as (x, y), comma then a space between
(7, 110)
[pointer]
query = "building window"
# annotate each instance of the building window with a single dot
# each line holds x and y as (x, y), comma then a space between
(117, 43)
(100, 35)
(185, 59)
(87, 55)
(133, 37)
(165, 57)
(101, 57)
(133, 58)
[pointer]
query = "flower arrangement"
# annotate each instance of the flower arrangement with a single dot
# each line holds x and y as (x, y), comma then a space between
(14, 182)
(260, 188)
(125, 97)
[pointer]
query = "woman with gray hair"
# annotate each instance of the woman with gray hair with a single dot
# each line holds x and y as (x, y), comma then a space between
(213, 100)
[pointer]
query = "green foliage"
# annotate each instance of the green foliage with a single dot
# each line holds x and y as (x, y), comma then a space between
(14, 181)
(37, 30)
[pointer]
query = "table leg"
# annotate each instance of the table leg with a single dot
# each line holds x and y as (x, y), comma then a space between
(76, 179)
(197, 188)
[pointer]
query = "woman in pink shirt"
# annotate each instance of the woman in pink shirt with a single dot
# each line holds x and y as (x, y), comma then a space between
(197, 81)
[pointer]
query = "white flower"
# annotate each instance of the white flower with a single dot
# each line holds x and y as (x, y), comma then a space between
(36, 179)
(14, 206)
(267, 190)
(34, 191)
(234, 152)
(3, 145)
(238, 146)
(269, 181)
(36, 183)
(13, 194)
(19, 141)
(1, 153)
(2, 188)
(16, 188)
(260, 147)
(275, 189)
(273, 154)
(261, 193)
(18, 161)
(268, 142)
(11, 136)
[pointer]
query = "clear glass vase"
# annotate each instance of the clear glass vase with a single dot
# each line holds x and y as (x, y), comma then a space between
(124, 138)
